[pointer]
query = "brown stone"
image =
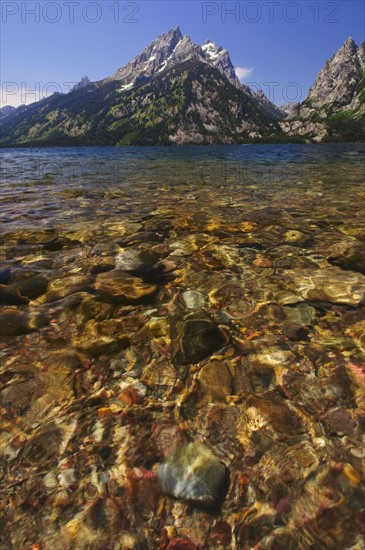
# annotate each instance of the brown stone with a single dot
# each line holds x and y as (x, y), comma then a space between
(215, 381)
(123, 286)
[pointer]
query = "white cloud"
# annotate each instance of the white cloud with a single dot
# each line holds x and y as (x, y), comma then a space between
(243, 72)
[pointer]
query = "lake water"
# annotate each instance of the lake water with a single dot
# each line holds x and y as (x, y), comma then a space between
(154, 297)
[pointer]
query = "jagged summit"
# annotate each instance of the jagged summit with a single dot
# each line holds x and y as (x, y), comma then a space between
(219, 58)
(169, 49)
(334, 108)
(349, 43)
(339, 77)
(154, 58)
(85, 80)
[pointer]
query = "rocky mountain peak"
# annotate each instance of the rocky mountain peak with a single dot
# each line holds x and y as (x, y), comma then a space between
(349, 45)
(166, 51)
(166, 42)
(185, 48)
(152, 59)
(83, 82)
(219, 58)
(173, 48)
(339, 77)
(334, 107)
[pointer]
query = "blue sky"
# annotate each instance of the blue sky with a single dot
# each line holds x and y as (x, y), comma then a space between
(279, 45)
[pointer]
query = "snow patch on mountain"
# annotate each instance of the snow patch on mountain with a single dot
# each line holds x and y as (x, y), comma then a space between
(211, 50)
(126, 87)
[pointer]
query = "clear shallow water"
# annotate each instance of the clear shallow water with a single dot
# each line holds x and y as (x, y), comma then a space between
(24, 165)
(102, 375)
(33, 179)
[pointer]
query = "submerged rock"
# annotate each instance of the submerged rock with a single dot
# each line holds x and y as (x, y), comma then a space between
(9, 297)
(13, 322)
(294, 236)
(295, 333)
(43, 446)
(331, 284)
(97, 338)
(194, 474)
(215, 381)
(33, 286)
(194, 337)
(65, 286)
(121, 285)
(129, 260)
(339, 422)
(301, 314)
(143, 261)
(349, 255)
(58, 243)
(5, 275)
(193, 299)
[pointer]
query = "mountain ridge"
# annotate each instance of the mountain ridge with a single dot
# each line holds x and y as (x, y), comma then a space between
(178, 92)
(171, 108)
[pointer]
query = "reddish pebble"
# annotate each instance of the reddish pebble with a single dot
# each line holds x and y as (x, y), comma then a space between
(182, 544)
(360, 520)
(129, 396)
(283, 505)
(286, 391)
(262, 262)
(165, 266)
(242, 483)
(221, 533)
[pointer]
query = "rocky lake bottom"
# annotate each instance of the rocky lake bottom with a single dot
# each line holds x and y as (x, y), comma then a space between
(183, 348)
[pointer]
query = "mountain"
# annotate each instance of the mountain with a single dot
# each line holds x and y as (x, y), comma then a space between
(177, 92)
(6, 111)
(192, 102)
(174, 91)
(173, 48)
(169, 50)
(83, 82)
(334, 109)
(9, 112)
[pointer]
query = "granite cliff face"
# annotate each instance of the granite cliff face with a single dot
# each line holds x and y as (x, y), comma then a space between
(166, 51)
(338, 80)
(335, 106)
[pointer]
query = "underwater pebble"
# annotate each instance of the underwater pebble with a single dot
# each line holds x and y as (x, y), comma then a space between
(194, 474)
